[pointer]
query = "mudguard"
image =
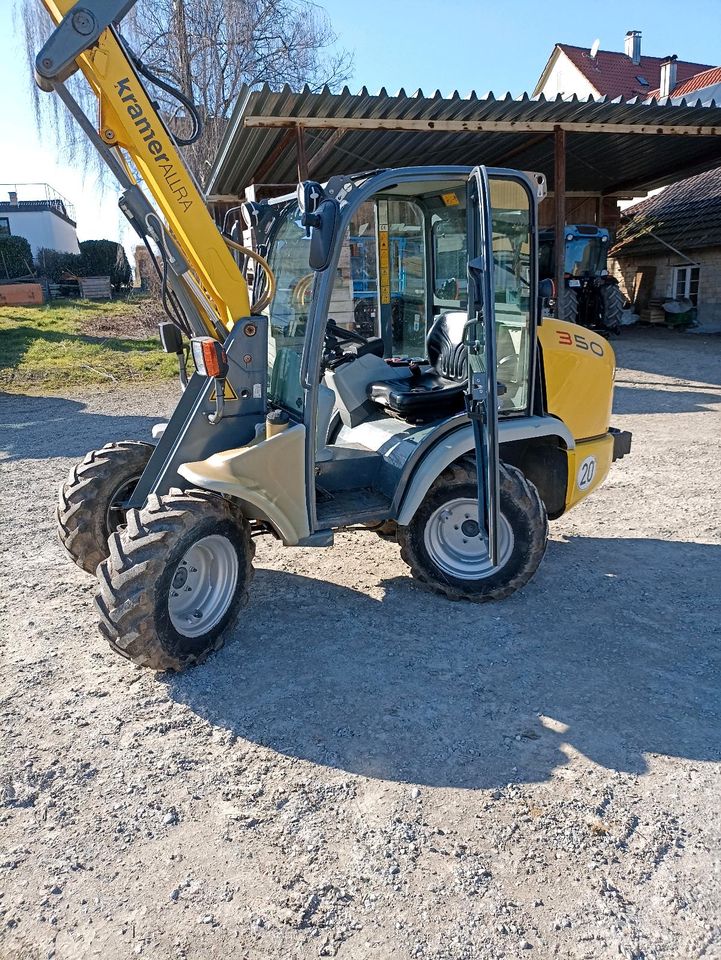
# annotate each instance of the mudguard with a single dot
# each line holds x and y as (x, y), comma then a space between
(461, 442)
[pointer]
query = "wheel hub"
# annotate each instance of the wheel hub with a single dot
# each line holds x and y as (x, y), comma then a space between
(470, 528)
(456, 543)
(203, 585)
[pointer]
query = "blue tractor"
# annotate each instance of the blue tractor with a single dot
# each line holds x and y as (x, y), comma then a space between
(590, 296)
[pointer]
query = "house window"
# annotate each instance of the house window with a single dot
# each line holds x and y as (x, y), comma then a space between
(4, 227)
(685, 283)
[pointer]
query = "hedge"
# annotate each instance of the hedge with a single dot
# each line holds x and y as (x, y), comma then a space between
(97, 258)
(16, 258)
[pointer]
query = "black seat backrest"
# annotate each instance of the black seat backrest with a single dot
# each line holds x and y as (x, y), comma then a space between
(446, 350)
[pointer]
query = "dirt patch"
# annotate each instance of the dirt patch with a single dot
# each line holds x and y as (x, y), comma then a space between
(136, 322)
(367, 770)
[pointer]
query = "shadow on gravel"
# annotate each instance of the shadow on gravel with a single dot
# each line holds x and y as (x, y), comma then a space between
(612, 651)
(642, 399)
(33, 428)
(688, 356)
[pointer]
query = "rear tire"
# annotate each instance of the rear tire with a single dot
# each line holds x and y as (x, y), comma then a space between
(568, 305)
(175, 580)
(443, 559)
(612, 304)
(88, 511)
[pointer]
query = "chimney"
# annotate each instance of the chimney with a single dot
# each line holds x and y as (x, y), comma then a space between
(632, 46)
(13, 197)
(669, 69)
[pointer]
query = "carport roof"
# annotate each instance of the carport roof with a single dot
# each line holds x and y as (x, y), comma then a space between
(613, 147)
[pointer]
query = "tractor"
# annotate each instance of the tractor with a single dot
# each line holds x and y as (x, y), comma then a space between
(590, 296)
(456, 426)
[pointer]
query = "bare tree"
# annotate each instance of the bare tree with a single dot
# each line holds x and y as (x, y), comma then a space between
(208, 50)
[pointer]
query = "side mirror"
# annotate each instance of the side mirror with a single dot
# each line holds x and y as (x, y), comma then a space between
(321, 241)
(310, 195)
(546, 289)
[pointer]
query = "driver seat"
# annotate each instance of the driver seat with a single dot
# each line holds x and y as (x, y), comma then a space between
(435, 393)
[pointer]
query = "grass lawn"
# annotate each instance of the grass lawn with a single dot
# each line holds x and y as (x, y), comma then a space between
(81, 342)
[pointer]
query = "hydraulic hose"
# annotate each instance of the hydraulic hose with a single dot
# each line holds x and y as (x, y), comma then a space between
(261, 304)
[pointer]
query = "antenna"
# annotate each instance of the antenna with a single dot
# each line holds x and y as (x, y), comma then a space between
(594, 48)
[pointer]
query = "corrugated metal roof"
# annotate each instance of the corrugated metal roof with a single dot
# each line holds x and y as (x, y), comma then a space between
(605, 161)
(686, 215)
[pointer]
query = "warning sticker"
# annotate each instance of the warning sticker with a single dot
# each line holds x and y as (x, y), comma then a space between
(384, 263)
(228, 392)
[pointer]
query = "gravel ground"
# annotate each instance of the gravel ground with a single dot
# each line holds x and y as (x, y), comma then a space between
(367, 770)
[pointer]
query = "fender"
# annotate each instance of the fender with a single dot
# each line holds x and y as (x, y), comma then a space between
(268, 478)
(460, 442)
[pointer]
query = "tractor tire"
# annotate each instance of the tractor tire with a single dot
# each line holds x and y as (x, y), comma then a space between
(612, 304)
(175, 580)
(440, 551)
(88, 511)
(567, 306)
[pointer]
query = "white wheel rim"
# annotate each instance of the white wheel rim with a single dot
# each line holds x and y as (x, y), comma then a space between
(203, 586)
(458, 546)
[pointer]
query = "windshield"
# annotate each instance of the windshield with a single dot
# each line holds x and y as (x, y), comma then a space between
(585, 256)
(288, 310)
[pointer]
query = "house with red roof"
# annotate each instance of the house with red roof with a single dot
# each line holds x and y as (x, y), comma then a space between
(704, 86)
(591, 72)
(668, 247)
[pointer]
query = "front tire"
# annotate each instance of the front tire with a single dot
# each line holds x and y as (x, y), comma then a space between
(445, 551)
(177, 575)
(90, 501)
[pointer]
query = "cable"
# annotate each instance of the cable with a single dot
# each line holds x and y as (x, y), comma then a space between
(168, 297)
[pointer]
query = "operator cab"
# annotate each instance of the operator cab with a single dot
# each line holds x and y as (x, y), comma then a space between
(389, 364)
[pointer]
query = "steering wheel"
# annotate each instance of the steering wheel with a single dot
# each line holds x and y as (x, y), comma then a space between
(335, 335)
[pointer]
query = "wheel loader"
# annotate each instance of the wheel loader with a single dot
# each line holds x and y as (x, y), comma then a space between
(457, 427)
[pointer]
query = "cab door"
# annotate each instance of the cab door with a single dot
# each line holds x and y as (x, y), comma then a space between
(502, 316)
(482, 387)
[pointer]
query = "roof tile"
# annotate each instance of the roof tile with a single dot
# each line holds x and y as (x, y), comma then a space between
(699, 81)
(686, 214)
(614, 74)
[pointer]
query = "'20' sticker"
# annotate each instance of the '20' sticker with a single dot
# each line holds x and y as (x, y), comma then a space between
(586, 473)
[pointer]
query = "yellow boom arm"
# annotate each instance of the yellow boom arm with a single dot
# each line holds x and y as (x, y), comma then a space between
(129, 124)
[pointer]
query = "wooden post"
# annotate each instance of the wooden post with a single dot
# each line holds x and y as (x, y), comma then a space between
(599, 211)
(300, 154)
(559, 199)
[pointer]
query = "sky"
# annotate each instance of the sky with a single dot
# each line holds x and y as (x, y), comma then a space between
(454, 45)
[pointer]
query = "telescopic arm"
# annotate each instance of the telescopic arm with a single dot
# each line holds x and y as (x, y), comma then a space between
(204, 276)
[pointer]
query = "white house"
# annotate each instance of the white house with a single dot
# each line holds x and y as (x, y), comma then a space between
(42, 216)
(592, 72)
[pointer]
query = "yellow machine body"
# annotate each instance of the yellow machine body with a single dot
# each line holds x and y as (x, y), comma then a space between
(579, 367)
(129, 122)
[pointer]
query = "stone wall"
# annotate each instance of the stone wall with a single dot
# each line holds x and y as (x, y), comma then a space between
(628, 270)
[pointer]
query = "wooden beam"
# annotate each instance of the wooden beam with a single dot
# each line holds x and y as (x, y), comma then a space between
(223, 198)
(275, 154)
(559, 201)
(326, 149)
(480, 126)
(300, 154)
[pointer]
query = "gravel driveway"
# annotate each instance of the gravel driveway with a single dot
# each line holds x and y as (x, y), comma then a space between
(368, 770)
